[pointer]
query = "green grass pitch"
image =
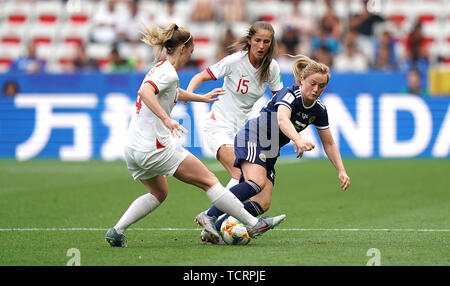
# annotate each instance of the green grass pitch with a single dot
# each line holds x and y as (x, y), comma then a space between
(400, 207)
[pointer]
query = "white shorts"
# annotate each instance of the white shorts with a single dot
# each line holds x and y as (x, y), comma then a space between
(163, 161)
(216, 134)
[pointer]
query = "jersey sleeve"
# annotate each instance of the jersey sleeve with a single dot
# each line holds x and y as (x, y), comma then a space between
(321, 121)
(160, 79)
(275, 81)
(221, 68)
(286, 98)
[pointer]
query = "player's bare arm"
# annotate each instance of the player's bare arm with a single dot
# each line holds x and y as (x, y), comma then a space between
(197, 80)
(300, 144)
(333, 154)
(147, 94)
(211, 96)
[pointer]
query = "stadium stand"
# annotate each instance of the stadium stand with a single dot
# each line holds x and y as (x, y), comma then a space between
(57, 25)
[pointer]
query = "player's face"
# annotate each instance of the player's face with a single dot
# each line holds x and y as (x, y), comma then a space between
(312, 86)
(260, 43)
(186, 53)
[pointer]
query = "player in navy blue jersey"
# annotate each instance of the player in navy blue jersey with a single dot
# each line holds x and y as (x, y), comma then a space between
(257, 145)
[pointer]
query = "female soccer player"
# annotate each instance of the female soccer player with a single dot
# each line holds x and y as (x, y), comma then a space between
(257, 145)
(247, 73)
(151, 153)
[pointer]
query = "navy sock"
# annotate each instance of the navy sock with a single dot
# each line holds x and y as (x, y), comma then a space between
(252, 207)
(242, 191)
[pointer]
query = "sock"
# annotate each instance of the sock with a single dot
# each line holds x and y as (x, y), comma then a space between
(141, 207)
(242, 191)
(233, 182)
(225, 201)
(252, 207)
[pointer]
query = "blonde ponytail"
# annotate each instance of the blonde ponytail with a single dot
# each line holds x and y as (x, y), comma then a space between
(169, 38)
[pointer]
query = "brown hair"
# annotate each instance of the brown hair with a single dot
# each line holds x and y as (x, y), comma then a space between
(304, 67)
(169, 38)
(243, 45)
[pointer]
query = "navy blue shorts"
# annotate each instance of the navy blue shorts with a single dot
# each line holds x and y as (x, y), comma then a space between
(246, 150)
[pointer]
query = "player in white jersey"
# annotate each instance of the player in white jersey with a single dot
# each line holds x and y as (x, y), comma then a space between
(247, 73)
(151, 153)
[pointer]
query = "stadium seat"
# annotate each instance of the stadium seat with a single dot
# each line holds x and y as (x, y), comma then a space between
(17, 11)
(99, 52)
(12, 33)
(9, 53)
(80, 12)
(41, 33)
(49, 12)
(75, 32)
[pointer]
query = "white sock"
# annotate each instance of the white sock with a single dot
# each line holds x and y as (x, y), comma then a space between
(141, 207)
(233, 182)
(227, 202)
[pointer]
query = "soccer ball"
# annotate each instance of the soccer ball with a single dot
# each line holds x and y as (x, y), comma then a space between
(234, 232)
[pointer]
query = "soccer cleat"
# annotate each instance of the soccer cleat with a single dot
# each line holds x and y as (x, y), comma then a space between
(206, 237)
(264, 224)
(115, 239)
(209, 224)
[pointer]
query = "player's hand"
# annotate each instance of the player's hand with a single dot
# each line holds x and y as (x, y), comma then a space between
(301, 145)
(212, 95)
(345, 180)
(175, 127)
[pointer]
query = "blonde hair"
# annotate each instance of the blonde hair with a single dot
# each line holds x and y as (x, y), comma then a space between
(243, 45)
(168, 38)
(304, 67)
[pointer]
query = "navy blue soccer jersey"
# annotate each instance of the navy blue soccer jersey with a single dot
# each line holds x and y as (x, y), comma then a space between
(301, 116)
(261, 139)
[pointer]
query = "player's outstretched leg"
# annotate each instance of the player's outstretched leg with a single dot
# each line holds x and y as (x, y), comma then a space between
(115, 239)
(264, 224)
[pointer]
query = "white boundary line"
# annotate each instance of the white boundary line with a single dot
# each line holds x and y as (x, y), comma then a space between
(197, 229)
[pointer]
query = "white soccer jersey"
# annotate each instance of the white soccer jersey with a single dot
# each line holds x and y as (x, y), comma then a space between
(242, 87)
(146, 130)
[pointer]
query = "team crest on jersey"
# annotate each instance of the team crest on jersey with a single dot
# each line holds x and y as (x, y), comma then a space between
(311, 119)
(262, 157)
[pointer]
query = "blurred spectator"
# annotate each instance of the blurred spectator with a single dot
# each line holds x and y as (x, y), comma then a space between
(351, 60)
(104, 21)
(29, 63)
(384, 61)
(385, 56)
(414, 83)
(202, 10)
(10, 89)
(323, 55)
(322, 39)
(416, 50)
(82, 62)
(130, 27)
(330, 22)
(234, 11)
(225, 44)
(290, 40)
(163, 19)
(365, 22)
(119, 64)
